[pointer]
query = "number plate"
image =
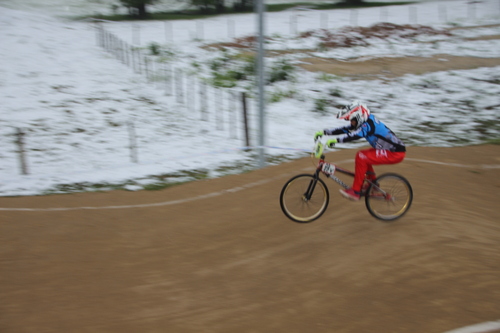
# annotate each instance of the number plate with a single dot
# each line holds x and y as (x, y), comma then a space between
(329, 169)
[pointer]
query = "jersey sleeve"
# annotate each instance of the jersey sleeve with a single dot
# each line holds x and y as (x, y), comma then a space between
(337, 130)
(360, 133)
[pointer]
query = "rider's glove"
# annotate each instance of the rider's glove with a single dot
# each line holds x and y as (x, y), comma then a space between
(331, 143)
(318, 134)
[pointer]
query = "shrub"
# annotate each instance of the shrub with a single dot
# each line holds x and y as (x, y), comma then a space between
(154, 49)
(320, 105)
(325, 77)
(223, 80)
(280, 94)
(281, 71)
(335, 92)
(249, 65)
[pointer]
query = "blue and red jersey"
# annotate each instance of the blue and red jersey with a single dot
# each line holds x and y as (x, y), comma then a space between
(374, 131)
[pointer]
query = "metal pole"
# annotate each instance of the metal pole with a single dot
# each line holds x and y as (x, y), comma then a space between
(22, 157)
(245, 118)
(260, 78)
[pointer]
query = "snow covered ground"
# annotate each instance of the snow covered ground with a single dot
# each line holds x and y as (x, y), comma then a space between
(75, 102)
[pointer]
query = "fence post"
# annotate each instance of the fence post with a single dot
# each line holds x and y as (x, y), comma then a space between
(146, 67)
(324, 21)
(133, 142)
(121, 47)
(219, 118)
(113, 45)
(108, 41)
(245, 118)
(154, 74)
(22, 158)
(442, 13)
(125, 53)
(167, 74)
(169, 35)
(136, 34)
(383, 14)
(232, 114)
(293, 24)
(354, 17)
(179, 87)
(190, 92)
(132, 55)
(413, 14)
(471, 10)
(230, 28)
(203, 101)
(199, 30)
(98, 33)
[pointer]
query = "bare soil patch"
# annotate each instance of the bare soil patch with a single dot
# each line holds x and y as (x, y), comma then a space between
(395, 66)
(487, 37)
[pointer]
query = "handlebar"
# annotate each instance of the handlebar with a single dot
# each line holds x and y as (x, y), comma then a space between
(319, 147)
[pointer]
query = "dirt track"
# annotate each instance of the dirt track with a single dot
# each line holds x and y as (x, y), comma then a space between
(391, 67)
(233, 262)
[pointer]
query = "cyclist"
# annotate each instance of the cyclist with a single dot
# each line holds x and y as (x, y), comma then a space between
(387, 148)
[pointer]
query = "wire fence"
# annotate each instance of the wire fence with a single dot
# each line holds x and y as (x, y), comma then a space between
(190, 91)
(294, 21)
(227, 109)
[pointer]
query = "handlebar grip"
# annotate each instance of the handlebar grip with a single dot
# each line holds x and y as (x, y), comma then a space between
(318, 151)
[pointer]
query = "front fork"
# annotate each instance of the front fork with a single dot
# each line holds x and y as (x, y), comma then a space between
(312, 185)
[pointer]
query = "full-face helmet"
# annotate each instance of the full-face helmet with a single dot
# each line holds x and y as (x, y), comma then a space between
(355, 111)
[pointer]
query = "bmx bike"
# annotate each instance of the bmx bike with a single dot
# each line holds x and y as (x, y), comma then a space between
(305, 197)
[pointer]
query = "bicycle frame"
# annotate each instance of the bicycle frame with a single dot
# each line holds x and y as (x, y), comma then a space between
(328, 169)
(328, 166)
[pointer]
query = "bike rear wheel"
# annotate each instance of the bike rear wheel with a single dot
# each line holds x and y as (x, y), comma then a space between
(304, 198)
(390, 197)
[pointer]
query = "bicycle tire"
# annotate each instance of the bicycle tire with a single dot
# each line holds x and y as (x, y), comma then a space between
(296, 206)
(390, 198)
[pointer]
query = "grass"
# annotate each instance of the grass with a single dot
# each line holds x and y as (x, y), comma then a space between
(493, 141)
(154, 183)
(164, 181)
(195, 14)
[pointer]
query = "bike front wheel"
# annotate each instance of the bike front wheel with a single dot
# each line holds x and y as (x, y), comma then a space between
(304, 198)
(389, 197)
